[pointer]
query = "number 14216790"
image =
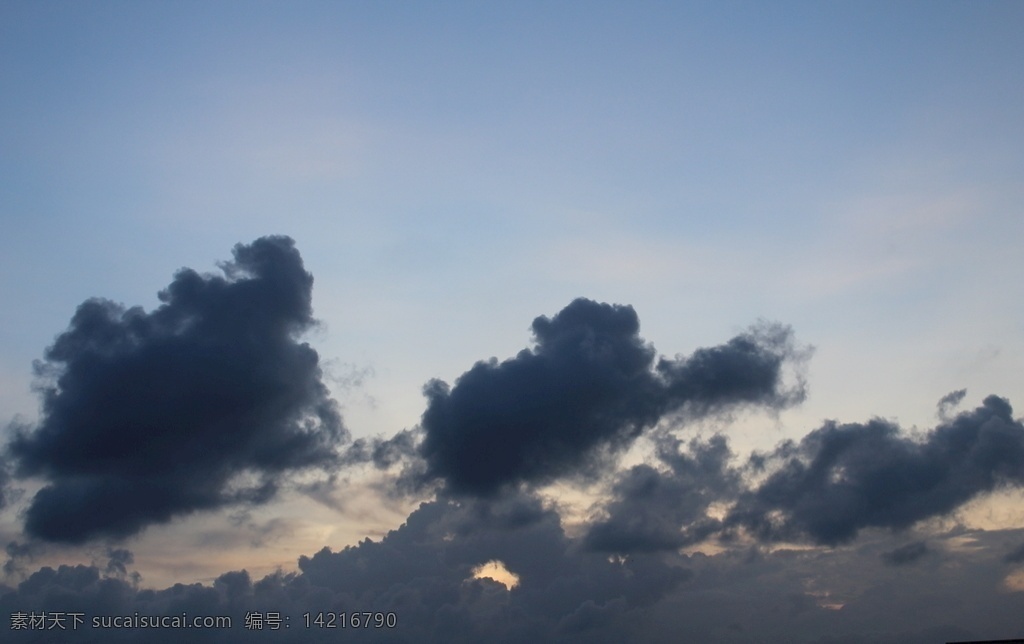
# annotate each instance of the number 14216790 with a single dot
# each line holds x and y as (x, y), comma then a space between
(350, 619)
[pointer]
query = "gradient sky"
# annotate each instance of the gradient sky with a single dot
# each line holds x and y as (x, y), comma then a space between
(450, 171)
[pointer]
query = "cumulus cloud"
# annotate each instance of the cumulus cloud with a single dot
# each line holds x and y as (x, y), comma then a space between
(212, 401)
(425, 571)
(842, 478)
(422, 572)
(588, 388)
(205, 402)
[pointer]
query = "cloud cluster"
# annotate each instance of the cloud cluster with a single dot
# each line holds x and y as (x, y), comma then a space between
(588, 388)
(837, 481)
(211, 401)
(206, 401)
(842, 478)
(422, 572)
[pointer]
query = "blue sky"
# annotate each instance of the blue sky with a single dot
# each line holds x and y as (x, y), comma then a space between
(449, 171)
(848, 170)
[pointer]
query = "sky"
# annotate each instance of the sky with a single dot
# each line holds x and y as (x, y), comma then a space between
(575, 321)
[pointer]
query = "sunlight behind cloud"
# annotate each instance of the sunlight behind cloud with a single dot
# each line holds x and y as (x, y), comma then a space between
(496, 571)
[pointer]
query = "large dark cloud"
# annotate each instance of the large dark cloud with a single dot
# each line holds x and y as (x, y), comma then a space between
(589, 386)
(206, 401)
(842, 478)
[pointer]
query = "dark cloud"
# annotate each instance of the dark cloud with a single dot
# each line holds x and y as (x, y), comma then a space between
(396, 457)
(840, 479)
(907, 554)
(204, 402)
(422, 572)
(382, 453)
(588, 388)
(17, 553)
(210, 401)
(119, 561)
(949, 402)
(434, 553)
(655, 509)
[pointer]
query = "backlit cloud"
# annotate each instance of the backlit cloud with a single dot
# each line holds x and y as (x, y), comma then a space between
(205, 402)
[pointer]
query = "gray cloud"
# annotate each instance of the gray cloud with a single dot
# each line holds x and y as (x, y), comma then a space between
(589, 387)
(421, 572)
(949, 402)
(655, 510)
(842, 478)
(205, 402)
